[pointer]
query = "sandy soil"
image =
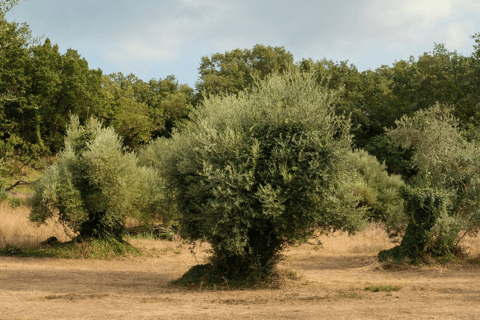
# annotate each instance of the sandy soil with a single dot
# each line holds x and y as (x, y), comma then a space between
(332, 287)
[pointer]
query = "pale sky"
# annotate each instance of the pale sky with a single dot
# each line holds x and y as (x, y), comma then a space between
(156, 38)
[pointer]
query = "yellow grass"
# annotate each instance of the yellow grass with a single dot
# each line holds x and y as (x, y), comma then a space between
(16, 229)
(371, 240)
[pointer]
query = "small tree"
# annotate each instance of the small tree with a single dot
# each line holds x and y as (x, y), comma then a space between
(447, 184)
(94, 184)
(255, 172)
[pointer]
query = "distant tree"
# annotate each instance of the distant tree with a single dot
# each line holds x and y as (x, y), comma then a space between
(123, 111)
(94, 184)
(236, 70)
(46, 87)
(14, 42)
(254, 172)
(140, 111)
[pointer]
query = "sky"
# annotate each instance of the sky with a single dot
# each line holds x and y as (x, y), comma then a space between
(157, 38)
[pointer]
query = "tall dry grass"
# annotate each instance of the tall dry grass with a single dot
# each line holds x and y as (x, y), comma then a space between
(17, 230)
(368, 242)
(372, 240)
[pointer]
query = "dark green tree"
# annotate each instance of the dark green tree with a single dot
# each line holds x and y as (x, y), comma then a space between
(15, 40)
(236, 70)
(140, 111)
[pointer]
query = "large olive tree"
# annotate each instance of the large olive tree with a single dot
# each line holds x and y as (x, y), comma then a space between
(256, 171)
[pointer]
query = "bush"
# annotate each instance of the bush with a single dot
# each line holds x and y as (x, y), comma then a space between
(94, 184)
(426, 207)
(378, 192)
(255, 172)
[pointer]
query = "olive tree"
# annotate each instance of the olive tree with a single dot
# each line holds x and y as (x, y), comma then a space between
(253, 172)
(94, 184)
(445, 193)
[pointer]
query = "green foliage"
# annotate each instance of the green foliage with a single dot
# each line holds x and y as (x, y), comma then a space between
(236, 70)
(94, 184)
(378, 191)
(46, 87)
(444, 158)
(397, 160)
(426, 207)
(140, 111)
(448, 163)
(375, 99)
(256, 171)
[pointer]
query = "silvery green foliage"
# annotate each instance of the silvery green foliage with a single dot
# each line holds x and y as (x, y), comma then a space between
(94, 183)
(378, 191)
(253, 172)
(446, 161)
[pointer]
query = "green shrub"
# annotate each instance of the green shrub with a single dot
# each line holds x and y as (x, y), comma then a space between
(94, 184)
(379, 192)
(424, 206)
(255, 172)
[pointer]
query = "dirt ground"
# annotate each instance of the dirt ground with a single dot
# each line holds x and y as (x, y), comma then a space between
(331, 286)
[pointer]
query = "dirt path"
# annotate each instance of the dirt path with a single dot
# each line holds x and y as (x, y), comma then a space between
(333, 287)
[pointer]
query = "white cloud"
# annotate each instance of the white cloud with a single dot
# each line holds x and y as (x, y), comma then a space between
(404, 21)
(457, 34)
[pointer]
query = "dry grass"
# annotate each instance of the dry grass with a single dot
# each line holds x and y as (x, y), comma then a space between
(17, 230)
(371, 240)
(471, 246)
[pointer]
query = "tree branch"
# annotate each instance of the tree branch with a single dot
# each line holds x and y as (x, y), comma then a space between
(20, 183)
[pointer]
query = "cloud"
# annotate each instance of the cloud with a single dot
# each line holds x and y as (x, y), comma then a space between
(456, 35)
(403, 21)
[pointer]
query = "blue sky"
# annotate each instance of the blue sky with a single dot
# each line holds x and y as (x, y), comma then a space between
(156, 38)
